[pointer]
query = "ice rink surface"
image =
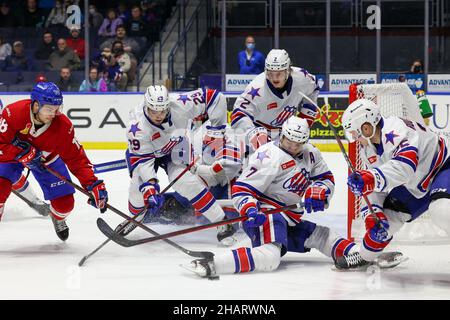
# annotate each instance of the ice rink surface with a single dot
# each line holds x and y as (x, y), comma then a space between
(35, 264)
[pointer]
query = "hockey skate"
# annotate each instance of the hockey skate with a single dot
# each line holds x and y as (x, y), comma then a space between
(126, 227)
(225, 235)
(41, 207)
(61, 228)
(355, 262)
(351, 261)
(203, 268)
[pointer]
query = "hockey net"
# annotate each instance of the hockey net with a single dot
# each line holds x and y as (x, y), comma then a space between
(394, 99)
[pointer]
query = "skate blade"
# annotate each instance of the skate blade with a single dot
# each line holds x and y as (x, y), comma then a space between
(390, 260)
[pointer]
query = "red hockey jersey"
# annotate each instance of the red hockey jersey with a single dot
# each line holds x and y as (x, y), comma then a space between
(54, 139)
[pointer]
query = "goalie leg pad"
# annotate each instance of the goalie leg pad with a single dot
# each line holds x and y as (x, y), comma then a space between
(190, 187)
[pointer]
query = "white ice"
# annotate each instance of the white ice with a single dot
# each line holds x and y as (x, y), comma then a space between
(35, 264)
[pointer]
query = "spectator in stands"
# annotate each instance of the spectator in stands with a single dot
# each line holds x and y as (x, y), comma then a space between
(95, 17)
(123, 12)
(75, 42)
(417, 66)
(7, 18)
(33, 17)
(58, 16)
(123, 61)
(46, 47)
(130, 45)
(63, 57)
(152, 13)
(95, 84)
(137, 27)
(66, 83)
(5, 50)
(18, 61)
(250, 60)
(109, 25)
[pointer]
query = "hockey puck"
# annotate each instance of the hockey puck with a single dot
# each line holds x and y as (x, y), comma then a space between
(213, 278)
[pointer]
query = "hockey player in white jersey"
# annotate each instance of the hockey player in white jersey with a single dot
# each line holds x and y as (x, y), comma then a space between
(217, 168)
(407, 173)
(280, 173)
(156, 128)
(272, 97)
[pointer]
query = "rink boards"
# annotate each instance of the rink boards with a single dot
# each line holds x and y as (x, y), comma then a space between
(100, 119)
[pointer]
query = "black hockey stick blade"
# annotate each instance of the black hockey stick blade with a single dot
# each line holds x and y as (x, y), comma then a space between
(124, 242)
(111, 234)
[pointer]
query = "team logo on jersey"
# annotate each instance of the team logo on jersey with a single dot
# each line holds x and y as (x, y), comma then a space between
(283, 116)
(288, 165)
(26, 129)
(298, 183)
(272, 105)
(156, 136)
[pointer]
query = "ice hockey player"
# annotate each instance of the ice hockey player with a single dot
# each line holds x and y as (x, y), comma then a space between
(156, 128)
(218, 168)
(407, 173)
(279, 173)
(34, 133)
(272, 97)
(24, 189)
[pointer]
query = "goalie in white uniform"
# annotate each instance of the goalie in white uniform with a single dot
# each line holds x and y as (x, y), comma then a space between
(157, 139)
(273, 97)
(407, 173)
(280, 173)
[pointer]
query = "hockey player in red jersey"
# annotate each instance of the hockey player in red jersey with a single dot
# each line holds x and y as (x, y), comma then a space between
(34, 134)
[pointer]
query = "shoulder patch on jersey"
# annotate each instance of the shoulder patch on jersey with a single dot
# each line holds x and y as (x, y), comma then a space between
(372, 159)
(254, 92)
(155, 136)
(288, 165)
(26, 130)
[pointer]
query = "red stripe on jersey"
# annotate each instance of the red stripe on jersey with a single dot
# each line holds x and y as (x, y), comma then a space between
(243, 259)
(203, 201)
(19, 183)
(266, 230)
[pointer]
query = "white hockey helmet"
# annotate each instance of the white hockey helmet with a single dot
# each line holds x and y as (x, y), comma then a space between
(295, 129)
(357, 113)
(277, 60)
(157, 98)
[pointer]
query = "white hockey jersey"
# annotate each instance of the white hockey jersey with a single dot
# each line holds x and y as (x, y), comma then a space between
(273, 178)
(409, 155)
(148, 141)
(262, 105)
(224, 156)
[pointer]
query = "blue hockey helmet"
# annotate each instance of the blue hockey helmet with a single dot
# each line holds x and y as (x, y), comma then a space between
(46, 93)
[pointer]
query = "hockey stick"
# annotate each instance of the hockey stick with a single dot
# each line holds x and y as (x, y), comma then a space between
(29, 203)
(197, 254)
(83, 260)
(117, 238)
(349, 163)
(110, 166)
